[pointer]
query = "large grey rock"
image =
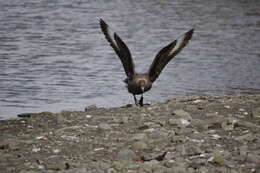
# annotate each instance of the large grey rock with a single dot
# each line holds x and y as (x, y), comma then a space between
(139, 146)
(183, 114)
(104, 126)
(256, 112)
(140, 137)
(126, 154)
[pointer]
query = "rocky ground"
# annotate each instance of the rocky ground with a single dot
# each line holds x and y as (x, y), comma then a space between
(184, 135)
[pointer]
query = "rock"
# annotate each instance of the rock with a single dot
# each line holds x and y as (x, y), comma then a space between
(140, 137)
(192, 108)
(256, 112)
(246, 137)
(120, 165)
(217, 158)
(91, 107)
(139, 146)
(180, 122)
(104, 126)
(60, 118)
(252, 157)
(183, 114)
(76, 170)
(243, 150)
(9, 143)
(152, 166)
(126, 154)
(57, 164)
(111, 170)
(229, 124)
(200, 125)
(158, 135)
(104, 165)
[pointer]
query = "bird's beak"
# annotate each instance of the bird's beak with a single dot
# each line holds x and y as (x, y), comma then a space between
(142, 89)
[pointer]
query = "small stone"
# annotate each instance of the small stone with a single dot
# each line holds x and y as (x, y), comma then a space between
(104, 126)
(60, 118)
(253, 158)
(111, 170)
(9, 143)
(104, 165)
(158, 135)
(229, 124)
(35, 150)
(139, 146)
(57, 165)
(246, 137)
(183, 114)
(215, 136)
(140, 137)
(180, 122)
(241, 110)
(243, 150)
(256, 113)
(91, 107)
(56, 151)
(126, 154)
(217, 158)
(192, 108)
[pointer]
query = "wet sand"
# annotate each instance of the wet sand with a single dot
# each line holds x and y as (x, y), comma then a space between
(192, 134)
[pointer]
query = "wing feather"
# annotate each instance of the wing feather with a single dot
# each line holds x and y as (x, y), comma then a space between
(119, 47)
(167, 53)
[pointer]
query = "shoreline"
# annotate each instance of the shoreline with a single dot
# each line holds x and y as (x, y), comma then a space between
(190, 134)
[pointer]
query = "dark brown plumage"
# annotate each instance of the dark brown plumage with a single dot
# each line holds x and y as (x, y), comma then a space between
(140, 83)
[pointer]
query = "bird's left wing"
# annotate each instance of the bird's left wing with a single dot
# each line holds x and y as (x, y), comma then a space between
(167, 53)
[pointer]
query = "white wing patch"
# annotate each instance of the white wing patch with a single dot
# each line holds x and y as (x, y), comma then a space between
(178, 45)
(111, 33)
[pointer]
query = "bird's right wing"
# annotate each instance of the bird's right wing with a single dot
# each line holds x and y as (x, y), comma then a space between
(119, 47)
(167, 53)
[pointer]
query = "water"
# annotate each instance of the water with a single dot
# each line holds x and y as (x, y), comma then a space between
(53, 56)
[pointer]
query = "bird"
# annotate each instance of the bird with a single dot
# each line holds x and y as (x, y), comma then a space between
(139, 83)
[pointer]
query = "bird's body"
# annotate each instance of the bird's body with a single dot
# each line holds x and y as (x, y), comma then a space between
(139, 83)
(134, 85)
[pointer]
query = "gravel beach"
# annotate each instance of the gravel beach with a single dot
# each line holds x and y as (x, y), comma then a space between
(183, 135)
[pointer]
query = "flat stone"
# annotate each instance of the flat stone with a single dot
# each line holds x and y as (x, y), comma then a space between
(183, 114)
(139, 146)
(140, 137)
(9, 143)
(158, 135)
(256, 112)
(104, 126)
(126, 154)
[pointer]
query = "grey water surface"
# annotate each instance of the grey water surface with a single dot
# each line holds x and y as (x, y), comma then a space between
(53, 56)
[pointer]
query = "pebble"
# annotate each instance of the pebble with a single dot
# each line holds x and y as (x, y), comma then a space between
(9, 143)
(158, 135)
(183, 114)
(126, 154)
(256, 112)
(139, 146)
(91, 107)
(140, 137)
(104, 126)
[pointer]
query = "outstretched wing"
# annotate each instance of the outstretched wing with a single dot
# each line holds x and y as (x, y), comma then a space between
(119, 47)
(167, 53)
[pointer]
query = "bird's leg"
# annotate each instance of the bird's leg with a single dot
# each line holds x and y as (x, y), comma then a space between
(136, 103)
(141, 101)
